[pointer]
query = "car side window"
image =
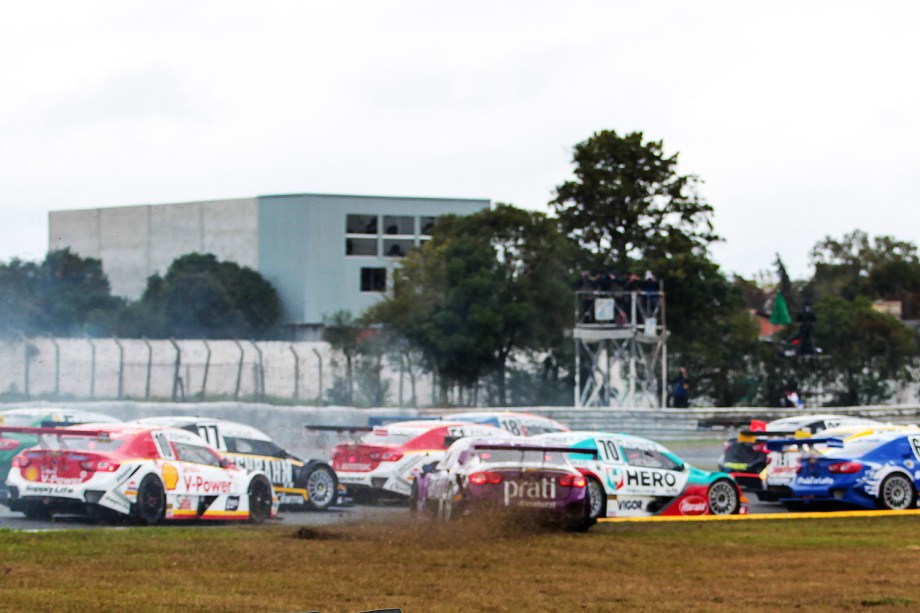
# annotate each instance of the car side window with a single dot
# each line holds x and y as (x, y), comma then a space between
(648, 458)
(251, 446)
(196, 454)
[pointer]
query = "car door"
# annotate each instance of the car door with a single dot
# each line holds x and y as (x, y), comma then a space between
(650, 479)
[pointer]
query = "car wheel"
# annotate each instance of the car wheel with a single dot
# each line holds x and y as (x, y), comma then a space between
(897, 493)
(723, 498)
(37, 511)
(150, 507)
(597, 499)
(321, 487)
(260, 500)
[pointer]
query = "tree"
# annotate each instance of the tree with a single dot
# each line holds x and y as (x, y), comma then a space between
(65, 295)
(343, 333)
(712, 333)
(201, 296)
(628, 201)
(486, 286)
(864, 351)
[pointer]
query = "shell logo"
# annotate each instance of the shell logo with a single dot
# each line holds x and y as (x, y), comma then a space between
(170, 476)
(31, 473)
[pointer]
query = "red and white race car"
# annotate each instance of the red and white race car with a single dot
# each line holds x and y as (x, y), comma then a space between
(150, 473)
(389, 458)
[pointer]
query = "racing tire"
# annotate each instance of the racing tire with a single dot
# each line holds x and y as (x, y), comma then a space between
(597, 499)
(260, 499)
(322, 488)
(150, 508)
(896, 493)
(723, 498)
(37, 511)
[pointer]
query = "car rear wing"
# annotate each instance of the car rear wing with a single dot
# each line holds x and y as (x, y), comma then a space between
(100, 434)
(759, 436)
(509, 447)
(319, 428)
(778, 444)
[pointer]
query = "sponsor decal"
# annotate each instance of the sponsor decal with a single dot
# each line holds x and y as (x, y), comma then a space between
(280, 472)
(615, 478)
(233, 503)
(50, 476)
(184, 503)
(51, 490)
(208, 486)
(647, 478)
(693, 505)
(31, 473)
(815, 480)
(530, 490)
(630, 505)
(355, 466)
(170, 476)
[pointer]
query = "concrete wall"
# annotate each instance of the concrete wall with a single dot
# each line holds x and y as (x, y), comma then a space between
(135, 242)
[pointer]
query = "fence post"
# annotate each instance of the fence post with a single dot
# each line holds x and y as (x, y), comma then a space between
(26, 359)
(92, 368)
(207, 367)
(57, 367)
(121, 368)
(260, 373)
(296, 372)
(239, 371)
(149, 367)
(176, 365)
(319, 395)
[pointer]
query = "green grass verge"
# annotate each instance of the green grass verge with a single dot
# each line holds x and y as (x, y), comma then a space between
(810, 565)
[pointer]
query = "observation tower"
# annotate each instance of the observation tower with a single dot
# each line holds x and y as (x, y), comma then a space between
(621, 352)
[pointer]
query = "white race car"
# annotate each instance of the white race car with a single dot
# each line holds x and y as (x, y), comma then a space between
(298, 483)
(150, 473)
(389, 458)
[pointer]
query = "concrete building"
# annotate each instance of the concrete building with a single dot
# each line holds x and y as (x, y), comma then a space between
(322, 253)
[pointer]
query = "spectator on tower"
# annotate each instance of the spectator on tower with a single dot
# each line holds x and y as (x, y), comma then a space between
(681, 390)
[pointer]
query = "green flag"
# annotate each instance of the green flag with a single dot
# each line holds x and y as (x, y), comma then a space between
(780, 314)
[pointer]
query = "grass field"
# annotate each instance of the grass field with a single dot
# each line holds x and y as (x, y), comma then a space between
(809, 565)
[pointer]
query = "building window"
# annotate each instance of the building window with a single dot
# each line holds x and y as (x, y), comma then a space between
(361, 224)
(373, 279)
(402, 224)
(360, 246)
(427, 225)
(397, 248)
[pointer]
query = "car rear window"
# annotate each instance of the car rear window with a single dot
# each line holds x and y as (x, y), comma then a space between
(86, 443)
(496, 456)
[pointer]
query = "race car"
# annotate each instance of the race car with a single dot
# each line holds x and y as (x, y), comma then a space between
(12, 443)
(745, 457)
(477, 475)
(782, 464)
(881, 470)
(310, 484)
(149, 473)
(387, 459)
(515, 422)
(630, 476)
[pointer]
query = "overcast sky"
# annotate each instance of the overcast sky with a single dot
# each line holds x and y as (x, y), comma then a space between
(800, 117)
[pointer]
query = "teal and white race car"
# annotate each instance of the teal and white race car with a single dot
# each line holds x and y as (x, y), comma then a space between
(631, 476)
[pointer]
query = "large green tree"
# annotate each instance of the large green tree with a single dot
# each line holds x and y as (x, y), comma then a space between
(202, 296)
(628, 201)
(864, 352)
(486, 286)
(64, 295)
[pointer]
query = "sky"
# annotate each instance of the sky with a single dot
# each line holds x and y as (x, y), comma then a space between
(800, 118)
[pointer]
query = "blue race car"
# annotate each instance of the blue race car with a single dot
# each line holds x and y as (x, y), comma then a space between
(881, 470)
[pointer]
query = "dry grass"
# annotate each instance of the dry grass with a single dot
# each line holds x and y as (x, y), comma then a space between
(810, 565)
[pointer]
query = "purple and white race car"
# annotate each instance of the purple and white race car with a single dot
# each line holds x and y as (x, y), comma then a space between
(514, 475)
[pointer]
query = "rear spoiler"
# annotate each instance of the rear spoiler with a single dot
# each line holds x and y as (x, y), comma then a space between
(759, 436)
(100, 434)
(383, 420)
(338, 428)
(509, 447)
(778, 444)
